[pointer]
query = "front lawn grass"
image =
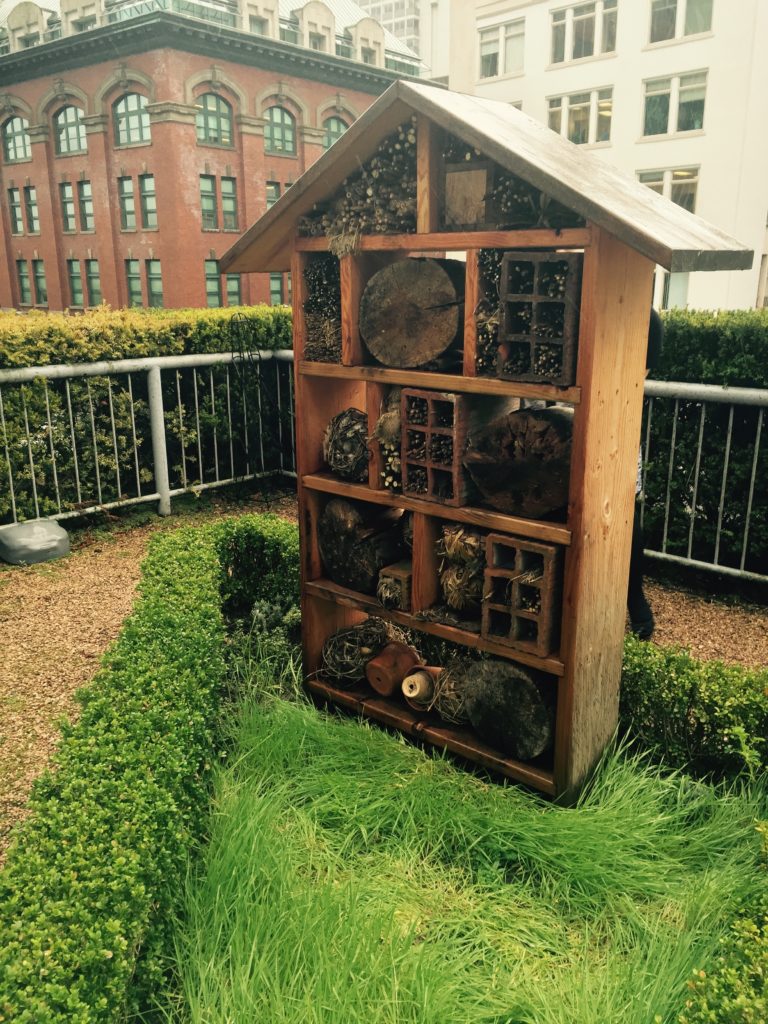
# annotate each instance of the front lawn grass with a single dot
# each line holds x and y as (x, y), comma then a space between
(351, 877)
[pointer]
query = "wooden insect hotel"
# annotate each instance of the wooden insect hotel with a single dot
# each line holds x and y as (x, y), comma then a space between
(471, 298)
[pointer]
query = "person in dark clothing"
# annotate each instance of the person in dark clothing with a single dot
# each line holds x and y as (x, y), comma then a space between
(640, 612)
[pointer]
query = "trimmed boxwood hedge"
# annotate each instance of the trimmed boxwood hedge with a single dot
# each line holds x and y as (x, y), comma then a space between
(90, 886)
(41, 339)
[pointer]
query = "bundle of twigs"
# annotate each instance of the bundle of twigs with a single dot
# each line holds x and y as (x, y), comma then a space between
(488, 311)
(322, 309)
(346, 653)
(387, 433)
(345, 445)
(520, 205)
(380, 198)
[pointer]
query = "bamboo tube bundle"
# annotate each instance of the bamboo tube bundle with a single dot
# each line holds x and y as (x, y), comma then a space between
(380, 198)
(345, 445)
(436, 689)
(356, 542)
(322, 309)
(387, 434)
(511, 708)
(488, 311)
(347, 652)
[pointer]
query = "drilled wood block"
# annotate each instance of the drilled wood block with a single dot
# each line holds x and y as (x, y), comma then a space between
(522, 594)
(434, 436)
(538, 334)
(394, 589)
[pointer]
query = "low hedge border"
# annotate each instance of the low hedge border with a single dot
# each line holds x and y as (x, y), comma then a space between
(88, 892)
(40, 339)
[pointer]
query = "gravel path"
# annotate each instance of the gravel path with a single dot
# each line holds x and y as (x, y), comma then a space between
(57, 619)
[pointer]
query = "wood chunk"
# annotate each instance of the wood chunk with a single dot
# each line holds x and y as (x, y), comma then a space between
(355, 547)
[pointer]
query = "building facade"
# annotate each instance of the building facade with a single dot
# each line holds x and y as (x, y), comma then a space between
(672, 91)
(138, 142)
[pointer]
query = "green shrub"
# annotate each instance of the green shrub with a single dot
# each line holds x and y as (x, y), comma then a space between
(702, 716)
(86, 895)
(726, 347)
(259, 559)
(40, 339)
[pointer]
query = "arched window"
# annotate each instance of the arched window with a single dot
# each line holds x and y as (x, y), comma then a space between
(334, 129)
(280, 131)
(214, 120)
(16, 142)
(131, 119)
(69, 131)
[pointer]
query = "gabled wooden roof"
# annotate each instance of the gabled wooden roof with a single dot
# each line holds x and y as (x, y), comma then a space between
(604, 195)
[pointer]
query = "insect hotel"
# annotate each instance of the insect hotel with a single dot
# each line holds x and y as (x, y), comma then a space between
(471, 298)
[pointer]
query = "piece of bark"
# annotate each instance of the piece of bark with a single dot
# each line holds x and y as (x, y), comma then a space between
(355, 547)
(509, 707)
(412, 310)
(520, 462)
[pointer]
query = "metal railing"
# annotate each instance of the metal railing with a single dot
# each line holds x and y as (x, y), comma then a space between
(80, 438)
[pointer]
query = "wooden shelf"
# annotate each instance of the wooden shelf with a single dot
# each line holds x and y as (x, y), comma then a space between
(484, 519)
(441, 381)
(326, 590)
(427, 727)
(459, 241)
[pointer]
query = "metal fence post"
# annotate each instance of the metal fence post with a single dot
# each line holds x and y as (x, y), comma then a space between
(159, 451)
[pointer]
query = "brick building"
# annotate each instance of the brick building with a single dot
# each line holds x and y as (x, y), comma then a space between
(137, 142)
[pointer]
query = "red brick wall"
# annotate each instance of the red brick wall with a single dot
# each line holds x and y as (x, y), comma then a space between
(173, 156)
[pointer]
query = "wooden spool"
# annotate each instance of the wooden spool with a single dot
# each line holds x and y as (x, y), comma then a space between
(385, 672)
(418, 687)
(411, 311)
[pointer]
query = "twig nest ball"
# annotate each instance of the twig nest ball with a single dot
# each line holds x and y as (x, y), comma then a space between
(345, 445)
(347, 652)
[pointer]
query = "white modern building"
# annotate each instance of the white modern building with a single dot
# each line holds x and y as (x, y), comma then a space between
(423, 25)
(673, 91)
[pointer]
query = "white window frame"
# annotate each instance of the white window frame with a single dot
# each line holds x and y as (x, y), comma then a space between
(666, 177)
(594, 97)
(501, 28)
(681, 12)
(674, 104)
(569, 17)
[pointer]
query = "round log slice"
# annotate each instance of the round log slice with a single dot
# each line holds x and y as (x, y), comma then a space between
(520, 462)
(410, 311)
(509, 708)
(354, 548)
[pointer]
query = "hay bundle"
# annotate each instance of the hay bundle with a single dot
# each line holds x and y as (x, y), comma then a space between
(460, 544)
(345, 445)
(461, 570)
(347, 652)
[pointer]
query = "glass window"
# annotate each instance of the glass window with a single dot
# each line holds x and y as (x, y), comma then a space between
(683, 185)
(578, 118)
(154, 284)
(604, 115)
(25, 289)
(279, 131)
(259, 26)
(212, 283)
(229, 204)
(30, 202)
(67, 199)
(148, 200)
(489, 53)
(367, 55)
(133, 282)
(276, 289)
(41, 287)
(273, 193)
(555, 119)
(214, 120)
(653, 179)
(16, 142)
(514, 46)
(690, 110)
(14, 211)
(609, 26)
(317, 41)
(208, 204)
(127, 204)
(657, 99)
(69, 131)
(131, 119)
(75, 283)
(93, 282)
(698, 17)
(233, 290)
(85, 202)
(334, 129)
(583, 31)
(663, 18)
(558, 37)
